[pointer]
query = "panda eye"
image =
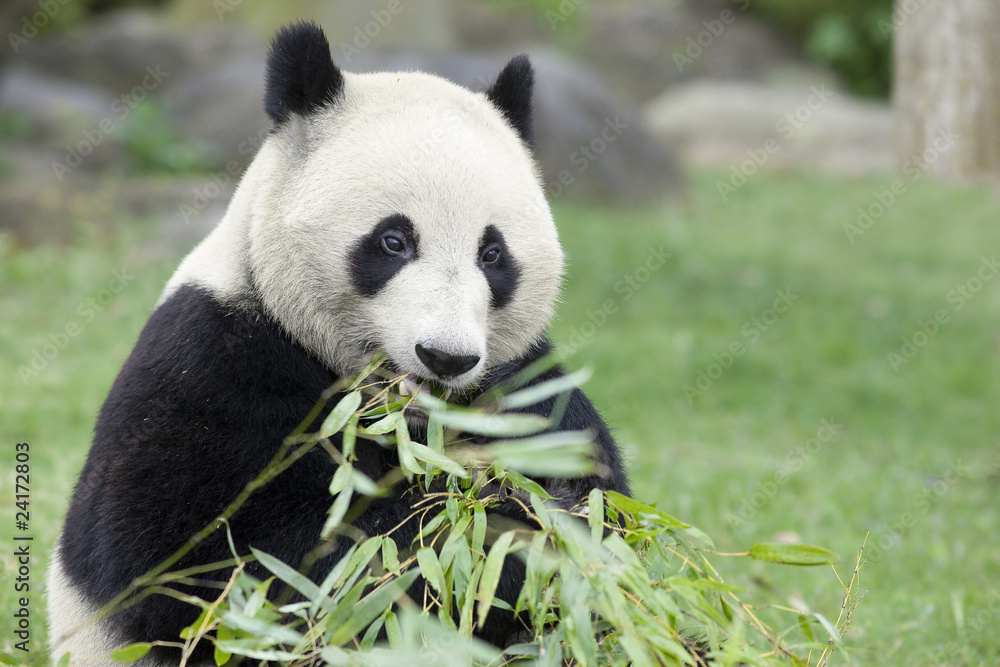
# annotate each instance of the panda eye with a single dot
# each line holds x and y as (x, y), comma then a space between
(491, 255)
(393, 243)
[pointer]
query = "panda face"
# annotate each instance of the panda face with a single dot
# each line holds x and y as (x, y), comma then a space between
(406, 217)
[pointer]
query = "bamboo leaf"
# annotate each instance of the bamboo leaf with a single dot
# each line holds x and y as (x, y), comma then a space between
(288, 574)
(541, 511)
(491, 574)
(349, 438)
(337, 512)
(385, 425)
(435, 433)
(340, 479)
(390, 554)
(392, 630)
(331, 579)
(251, 649)
(595, 514)
(432, 525)
(559, 454)
(829, 627)
(261, 629)
(537, 393)
(792, 554)
(372, 366)
(372, 606)
(430, 567)
(404, 448)
(498, 425)
(633, 506)
(428, 455)
(339, 416)
(478, 527)
(132, 652)
(220, 656)
(531, 486)
(806, 628)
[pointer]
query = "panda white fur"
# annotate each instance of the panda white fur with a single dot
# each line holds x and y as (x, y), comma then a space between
(392, 211)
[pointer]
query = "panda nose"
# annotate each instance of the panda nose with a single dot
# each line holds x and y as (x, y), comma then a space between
(443, 364)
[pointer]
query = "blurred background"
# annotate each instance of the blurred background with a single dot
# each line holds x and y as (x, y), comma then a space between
(782, 226)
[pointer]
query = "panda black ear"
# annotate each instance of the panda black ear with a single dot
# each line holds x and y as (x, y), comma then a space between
(511, 92)
(300, 76)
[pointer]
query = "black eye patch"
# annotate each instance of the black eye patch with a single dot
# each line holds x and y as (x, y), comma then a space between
(498, 266)
(381, 254)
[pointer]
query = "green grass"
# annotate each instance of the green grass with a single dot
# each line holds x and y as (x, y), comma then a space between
(825, 358)
(702, 459)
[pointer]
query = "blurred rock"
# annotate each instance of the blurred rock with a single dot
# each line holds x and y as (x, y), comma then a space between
(77, 89)
(817, 127)
(16, 20)
(647, 46)
(221, 105)
(590, 144)
(51, 103)
(421, 26)
(483, 27)
(115, 50)
(68, 125)
(207, 81)
(41, 211)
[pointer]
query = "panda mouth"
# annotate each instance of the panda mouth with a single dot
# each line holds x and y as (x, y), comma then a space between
(408, 386)
(409, 383)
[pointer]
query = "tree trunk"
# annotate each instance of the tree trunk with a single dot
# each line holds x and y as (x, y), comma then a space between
(946, 88)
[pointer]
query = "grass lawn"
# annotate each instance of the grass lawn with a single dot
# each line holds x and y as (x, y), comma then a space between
(766, 376)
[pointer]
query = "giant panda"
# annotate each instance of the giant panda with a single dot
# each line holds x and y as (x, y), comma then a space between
(387, 211)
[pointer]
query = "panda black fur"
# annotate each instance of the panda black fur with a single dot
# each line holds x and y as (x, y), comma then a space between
(385, 211)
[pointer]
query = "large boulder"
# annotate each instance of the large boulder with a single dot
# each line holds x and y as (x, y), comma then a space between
(115, 50)
(647, 46)
(82, 88)
(52, 104)
(810, 126)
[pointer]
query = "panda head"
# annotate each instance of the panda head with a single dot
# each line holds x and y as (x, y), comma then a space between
(399, 212)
